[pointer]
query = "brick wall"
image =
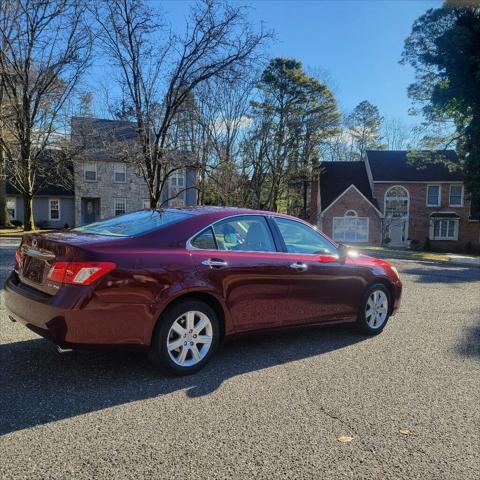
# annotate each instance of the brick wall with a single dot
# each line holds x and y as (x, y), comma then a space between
(419, 218)
(352, 200)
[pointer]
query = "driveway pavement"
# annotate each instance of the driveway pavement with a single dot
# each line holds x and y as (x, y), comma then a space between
(269, 407)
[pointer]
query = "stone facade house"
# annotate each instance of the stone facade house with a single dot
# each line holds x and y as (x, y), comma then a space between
(387, 199)
(106, 185)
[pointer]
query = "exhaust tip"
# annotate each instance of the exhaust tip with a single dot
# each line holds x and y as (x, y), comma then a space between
(64, 350)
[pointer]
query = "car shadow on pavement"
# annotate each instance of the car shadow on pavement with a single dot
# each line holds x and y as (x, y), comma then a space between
(39, 385)
(443, 274)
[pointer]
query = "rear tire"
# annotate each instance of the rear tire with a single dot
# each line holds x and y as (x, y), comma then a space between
(186, 336)
(375, 310)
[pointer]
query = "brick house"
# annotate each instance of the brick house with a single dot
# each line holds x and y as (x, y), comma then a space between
(106, 186)
(385, 197)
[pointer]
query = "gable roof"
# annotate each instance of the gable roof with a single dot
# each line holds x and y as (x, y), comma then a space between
(337, 177)
(392, 166)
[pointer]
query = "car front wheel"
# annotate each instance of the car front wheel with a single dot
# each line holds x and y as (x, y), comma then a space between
(186, 337)
(375, 309)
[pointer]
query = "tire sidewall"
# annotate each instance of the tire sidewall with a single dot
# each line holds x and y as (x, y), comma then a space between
(362, 321)
(159, 352)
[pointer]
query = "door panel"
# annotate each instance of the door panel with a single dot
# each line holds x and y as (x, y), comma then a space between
(324, 289)
(254, 285)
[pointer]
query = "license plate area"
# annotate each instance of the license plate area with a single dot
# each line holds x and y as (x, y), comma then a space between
(34, 269)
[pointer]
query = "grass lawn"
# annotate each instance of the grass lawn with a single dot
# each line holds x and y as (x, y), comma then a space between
(405, 254)
(18, 232)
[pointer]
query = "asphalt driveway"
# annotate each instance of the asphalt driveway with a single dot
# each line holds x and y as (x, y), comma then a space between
(270, 407)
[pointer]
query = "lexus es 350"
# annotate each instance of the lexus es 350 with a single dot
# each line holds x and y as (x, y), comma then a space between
(175, 282)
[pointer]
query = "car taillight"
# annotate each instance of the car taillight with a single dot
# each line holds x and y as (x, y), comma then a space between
(79, 273)
(18, 259)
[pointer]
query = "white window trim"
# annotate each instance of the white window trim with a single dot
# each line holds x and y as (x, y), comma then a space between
(350, 213)
(455, 232)
(450, 194)
(50, 200)
(124, 167)
(439, 195)
(85, 171)
(123, 199)
(357, 218)
(407, 216)
(14, 207)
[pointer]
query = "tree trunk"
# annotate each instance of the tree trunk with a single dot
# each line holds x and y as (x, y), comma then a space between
(28, 221)
(4, 220)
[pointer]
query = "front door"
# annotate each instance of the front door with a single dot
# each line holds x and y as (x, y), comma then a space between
(397, 231)
(321, 288)
(90, 210)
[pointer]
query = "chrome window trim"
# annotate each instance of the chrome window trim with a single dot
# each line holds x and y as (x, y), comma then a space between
(189, 245)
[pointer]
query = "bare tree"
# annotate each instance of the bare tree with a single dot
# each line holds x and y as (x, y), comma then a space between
(223, 107)
(159, 72)
(48, 50)
(396, 135)
(7, 9)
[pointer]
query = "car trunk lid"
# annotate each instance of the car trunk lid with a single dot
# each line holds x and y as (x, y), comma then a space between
(39, 252)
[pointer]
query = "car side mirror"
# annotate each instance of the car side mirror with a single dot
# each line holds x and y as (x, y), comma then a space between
(342, 252)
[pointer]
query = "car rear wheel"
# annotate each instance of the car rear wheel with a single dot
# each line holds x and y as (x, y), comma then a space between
(375, 309)
(186, 337)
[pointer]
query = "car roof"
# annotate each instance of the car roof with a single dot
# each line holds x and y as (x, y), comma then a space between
(216, 213)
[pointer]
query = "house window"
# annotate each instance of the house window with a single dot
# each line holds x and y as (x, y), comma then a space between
(90, 171)
(12, 208)
(433, 195)
(119, 173)
(350, 228)
(53, 209)
(445, 229)
(456, 196)
(177, 189)
(177, 179)
(119, 206)
(396, 202)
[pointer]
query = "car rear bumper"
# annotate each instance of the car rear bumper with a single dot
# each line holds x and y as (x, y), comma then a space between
(74, 318)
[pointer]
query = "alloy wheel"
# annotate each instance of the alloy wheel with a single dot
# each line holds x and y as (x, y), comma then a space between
(189, 338)
(376, 309)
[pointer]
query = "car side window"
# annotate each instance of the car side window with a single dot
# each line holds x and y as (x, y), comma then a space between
(249, 233)
(205, 240)
(300, 238)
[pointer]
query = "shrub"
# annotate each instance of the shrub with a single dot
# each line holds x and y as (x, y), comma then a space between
(42, 224)
(415, 244)
(427, 245)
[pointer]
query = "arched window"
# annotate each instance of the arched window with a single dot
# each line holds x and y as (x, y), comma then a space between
(396, 201)
(351, 213)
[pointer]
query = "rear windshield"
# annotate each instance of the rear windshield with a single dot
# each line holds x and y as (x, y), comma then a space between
(132, 224)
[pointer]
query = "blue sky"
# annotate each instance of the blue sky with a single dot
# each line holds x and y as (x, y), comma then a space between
(358, 43)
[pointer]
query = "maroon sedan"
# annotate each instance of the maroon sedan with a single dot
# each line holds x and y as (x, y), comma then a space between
(177, 281)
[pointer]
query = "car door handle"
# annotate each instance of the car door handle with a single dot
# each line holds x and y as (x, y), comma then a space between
(214, 263)
(299, 266)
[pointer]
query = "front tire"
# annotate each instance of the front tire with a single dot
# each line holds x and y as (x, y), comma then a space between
(186, 336)
(375, 310)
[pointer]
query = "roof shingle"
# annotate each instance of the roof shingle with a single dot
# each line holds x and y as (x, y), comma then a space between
(392, 166)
